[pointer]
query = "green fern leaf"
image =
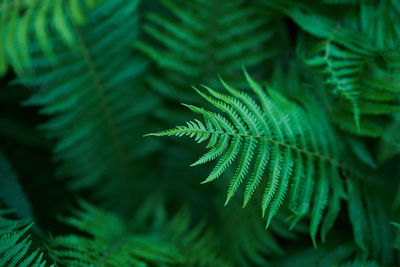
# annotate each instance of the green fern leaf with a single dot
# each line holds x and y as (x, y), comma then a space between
(371, 226)
(94, 123)
(15, 244)
(197, 40)
(109, 241)
(274, 139)
(355, 58)
(24, 22)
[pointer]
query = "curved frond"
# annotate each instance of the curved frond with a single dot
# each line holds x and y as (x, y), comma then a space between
(197, 40)
(358, 59)
(273, 140)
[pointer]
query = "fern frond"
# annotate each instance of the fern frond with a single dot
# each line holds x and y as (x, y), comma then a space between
(198, 41)
(253, 243)
(358, 59)
(11, 191)
(350, 75)
(278, 138)
(15, 244)
(152, 239)
(90, 97)
(370, 223)
(23, 22)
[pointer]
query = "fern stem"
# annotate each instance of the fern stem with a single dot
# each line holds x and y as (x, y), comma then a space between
(101, 92)
(304, 151)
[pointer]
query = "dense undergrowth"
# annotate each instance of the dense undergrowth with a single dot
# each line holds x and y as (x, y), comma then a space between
(295, 102)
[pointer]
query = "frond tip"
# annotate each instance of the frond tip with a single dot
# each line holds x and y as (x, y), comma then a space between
(194, 129)
(274, 137)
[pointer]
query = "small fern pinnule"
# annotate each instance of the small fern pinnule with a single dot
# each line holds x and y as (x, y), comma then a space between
(275, 139)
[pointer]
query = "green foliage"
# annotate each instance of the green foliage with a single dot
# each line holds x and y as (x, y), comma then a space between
(85, 113)
(253, 242)
(25, 21)
(389, 145)
(197, 41)
(357, 58)
(310, 134)
(11, 192)
(369, 221)
(282, 141)
(152, 239)
(360, 263)
(325, 256)
(15, 244)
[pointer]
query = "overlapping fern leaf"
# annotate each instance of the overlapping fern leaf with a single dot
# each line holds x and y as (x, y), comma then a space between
(358, 59)
(254, 242)
(15, 244)
(197, 40)
(276, 142)
(372, 231)
(152, 239)
(92, 97)
(24, 21)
